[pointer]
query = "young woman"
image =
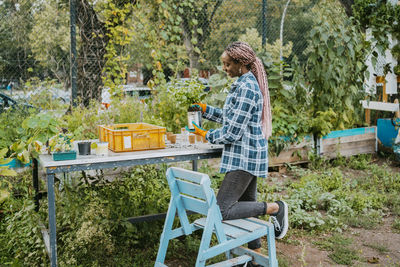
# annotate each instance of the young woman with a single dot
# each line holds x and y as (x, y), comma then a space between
(246, 125)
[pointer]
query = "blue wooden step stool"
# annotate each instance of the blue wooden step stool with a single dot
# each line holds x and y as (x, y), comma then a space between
(191, 191)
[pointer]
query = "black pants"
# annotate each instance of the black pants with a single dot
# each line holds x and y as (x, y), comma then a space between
(237, 198)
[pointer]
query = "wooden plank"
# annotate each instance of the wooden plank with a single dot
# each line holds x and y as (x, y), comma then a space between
(194, 204)
(188, 175)
(350, 149)
(368, 116)
(243, 224)
(376, 105)
(47, 161)
(257, 257)
(349, 146)
(46, 237)
(229, 230)
(232, 262)
(349, 139)
(350, 132)
(190, 189)
(290, 156)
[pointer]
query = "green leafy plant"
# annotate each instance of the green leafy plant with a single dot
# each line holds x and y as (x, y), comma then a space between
(61, 142)
(187, 92)
(37, 129)
(11, 127)
(335, 71)
(83, 121)
(5, 185)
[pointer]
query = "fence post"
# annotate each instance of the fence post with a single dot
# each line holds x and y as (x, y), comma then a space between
(72, 7)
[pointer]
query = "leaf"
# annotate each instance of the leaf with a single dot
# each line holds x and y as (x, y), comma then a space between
(7, 172)
(5, 161)
(4, 194)
(3, 152)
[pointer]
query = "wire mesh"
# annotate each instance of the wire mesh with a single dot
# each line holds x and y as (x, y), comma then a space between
(35, 38)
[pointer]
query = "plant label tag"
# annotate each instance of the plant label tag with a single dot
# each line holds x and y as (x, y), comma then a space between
(127, 142)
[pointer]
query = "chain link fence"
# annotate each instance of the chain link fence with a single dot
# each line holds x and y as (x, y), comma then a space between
(35, 38)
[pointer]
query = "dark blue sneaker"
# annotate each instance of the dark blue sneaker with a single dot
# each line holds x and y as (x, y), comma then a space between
(280, 220)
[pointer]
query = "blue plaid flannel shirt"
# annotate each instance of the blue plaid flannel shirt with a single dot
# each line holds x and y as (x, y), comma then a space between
(245, 147)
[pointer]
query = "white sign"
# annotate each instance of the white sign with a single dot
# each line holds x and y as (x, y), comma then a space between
(127, 142)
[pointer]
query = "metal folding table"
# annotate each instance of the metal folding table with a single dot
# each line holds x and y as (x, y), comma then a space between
(113, 160)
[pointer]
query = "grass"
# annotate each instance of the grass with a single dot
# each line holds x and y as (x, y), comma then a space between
(283, 261)
(339, 247)
(380, 248)
(331, 242)
(365, 221)
(396, 225)
(344, 255)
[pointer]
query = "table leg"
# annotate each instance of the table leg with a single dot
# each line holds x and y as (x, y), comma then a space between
(35, 177)
(194, 165)
(52, 219)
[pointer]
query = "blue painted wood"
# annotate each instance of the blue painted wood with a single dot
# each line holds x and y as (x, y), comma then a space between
(232, 262)
(349, 132)
(273, 261)
(185, 194)
(16, 163)
(195, 205)
(164, 240)
(244, 224)
(191, 189)
(195, 177)
(257, 257)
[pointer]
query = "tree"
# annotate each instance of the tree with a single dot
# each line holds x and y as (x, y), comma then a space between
(197, 17)
(15, 53)
(52, 53)
(93, 40)
(96, 22)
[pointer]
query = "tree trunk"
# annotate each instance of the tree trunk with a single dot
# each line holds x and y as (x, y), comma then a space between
(91, 53)
(347, 6)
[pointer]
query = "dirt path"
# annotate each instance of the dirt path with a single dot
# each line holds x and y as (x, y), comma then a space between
(377, 247)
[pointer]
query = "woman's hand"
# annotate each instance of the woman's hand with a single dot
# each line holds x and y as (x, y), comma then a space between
(197, 130)
(200, 106)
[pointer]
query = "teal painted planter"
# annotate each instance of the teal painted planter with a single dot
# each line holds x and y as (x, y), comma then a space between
(16, 163)
(67, 155)
(387, 132)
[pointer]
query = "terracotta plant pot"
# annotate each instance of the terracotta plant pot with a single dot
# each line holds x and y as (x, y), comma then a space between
(169, 135)
(199, 138)
(192, 139)
(172, 138)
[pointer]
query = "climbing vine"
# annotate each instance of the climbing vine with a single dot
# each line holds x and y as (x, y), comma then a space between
(118, 30)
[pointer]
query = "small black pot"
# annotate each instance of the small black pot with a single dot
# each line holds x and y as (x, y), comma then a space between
(84, 148)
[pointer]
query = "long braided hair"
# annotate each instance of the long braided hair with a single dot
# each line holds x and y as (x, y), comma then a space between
(241, 52)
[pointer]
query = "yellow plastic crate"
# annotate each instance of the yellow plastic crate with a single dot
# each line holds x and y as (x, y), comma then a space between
(127, 137)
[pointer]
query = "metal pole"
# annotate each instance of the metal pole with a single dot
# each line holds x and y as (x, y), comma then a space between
(281, 32)
(35, 176)
(264, 23)
(72, 7)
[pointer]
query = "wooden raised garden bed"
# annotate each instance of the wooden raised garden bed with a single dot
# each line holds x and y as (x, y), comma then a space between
(296, 153)
(348, 142)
